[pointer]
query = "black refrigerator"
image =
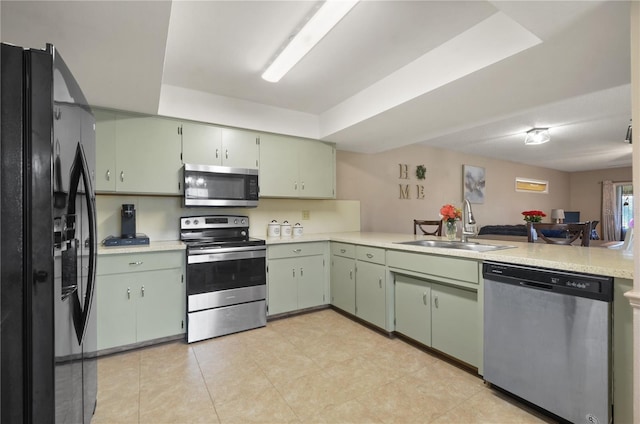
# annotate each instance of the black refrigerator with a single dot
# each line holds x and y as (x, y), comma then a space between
(48, 341)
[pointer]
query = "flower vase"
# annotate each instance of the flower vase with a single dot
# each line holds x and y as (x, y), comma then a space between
(450, 230)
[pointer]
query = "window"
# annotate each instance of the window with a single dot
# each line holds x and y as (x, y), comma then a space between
(624, 202)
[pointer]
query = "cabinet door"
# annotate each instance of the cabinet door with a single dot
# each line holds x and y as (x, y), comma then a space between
(317, 174)
(370, 293)
(454, 322)
(147, 155)
(413, 308)
(310, 281)
(105, 150)
(239, 148)
(201, 144)
(282, 286)
(343, 283)
(278, 166)
(160, 304)
(116, 311)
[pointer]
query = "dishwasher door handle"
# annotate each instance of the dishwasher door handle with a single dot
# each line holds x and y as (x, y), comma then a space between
(536, 285)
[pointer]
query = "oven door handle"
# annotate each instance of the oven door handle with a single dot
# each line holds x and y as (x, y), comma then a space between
(226, 256)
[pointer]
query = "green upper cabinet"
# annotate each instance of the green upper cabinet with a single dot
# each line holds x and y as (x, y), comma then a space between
(204, 144)
(137, 153)
(105, 150)
(296, 167)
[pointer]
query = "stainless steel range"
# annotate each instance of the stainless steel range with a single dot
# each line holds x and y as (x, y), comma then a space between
(226, 276)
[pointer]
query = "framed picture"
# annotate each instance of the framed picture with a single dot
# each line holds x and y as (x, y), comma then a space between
(473, 179)
(532, 186)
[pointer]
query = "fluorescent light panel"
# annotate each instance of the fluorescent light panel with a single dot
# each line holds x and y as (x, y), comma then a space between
(327, 16)
(537, 136)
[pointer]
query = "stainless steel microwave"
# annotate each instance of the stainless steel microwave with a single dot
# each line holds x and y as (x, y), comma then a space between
(206, 185)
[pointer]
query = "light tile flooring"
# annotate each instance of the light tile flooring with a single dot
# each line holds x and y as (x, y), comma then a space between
(319, 367)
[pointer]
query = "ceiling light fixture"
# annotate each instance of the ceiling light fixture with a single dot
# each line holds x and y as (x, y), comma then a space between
(537, 136)
(327, 16)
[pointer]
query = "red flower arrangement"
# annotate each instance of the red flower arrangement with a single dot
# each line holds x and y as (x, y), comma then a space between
(450, 213)
(533, 216)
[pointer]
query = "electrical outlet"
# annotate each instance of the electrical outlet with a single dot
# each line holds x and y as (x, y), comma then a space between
(306, 215)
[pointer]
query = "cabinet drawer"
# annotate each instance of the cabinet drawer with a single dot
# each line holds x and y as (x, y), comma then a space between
(136, 262)
(442, 266)
(343, 249)
(375, 255)
(292, 250)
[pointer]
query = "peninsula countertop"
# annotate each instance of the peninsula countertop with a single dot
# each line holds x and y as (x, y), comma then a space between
(592, 260)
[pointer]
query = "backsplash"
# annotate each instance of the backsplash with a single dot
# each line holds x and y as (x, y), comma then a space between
(158, 216)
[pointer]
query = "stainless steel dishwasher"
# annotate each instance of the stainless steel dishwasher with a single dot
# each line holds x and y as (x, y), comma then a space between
(547, 339)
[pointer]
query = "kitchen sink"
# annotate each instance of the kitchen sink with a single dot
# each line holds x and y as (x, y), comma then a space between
(473, 246)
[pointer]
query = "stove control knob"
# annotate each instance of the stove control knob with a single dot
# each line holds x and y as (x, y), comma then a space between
(243, 221)
(195, 222)
(187, 222)
(235, 221)
(243, 233)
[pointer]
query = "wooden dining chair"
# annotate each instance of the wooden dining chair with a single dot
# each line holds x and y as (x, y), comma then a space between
(560, 233)
(418, 223)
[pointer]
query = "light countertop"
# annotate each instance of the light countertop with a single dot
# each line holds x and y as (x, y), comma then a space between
(154, 246)
(592, 260)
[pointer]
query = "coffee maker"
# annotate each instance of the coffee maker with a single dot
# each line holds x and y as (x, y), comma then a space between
(128, 235)
(128, 221)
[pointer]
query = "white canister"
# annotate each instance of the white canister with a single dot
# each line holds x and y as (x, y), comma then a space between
(285, 229)
(273, 229)
(297, 230)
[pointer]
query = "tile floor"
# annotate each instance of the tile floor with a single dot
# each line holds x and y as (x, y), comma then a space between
(319, 367)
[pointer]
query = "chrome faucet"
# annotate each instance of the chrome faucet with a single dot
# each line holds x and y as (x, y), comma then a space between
(468, 221)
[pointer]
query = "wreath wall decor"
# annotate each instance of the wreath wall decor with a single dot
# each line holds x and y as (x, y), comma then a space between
(420, 172)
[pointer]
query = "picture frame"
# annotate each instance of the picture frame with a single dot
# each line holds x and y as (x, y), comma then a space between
(528, 185)
(474, 183)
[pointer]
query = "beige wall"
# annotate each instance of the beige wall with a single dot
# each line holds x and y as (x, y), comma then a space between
(374, 180)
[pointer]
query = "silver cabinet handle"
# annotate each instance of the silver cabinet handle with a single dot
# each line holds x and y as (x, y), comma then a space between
(293, 271)
(108, 175)
(226, 153)
(142, 291)
(128, 292)
(369, 255)
(297, 250)
(303, 185)
(343, 250)
(380, 282)
(350, 274)
(122, 176)
(135, 263)
(424, 298)
(295, 185)
(302, 272)
(435, 301)
(217, 153)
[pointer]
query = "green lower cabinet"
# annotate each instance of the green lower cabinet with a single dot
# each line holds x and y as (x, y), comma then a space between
(622, 353)
(413, 308)
(454, 322)
(296, 283)
(311, 282)
(343, 283)
(371, 293)
(439, 316)
(138, 307)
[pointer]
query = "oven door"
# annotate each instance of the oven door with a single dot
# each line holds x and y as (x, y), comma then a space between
(220, 186)
(224, 278)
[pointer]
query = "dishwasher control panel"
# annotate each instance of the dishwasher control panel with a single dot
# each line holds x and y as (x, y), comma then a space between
(563, 282)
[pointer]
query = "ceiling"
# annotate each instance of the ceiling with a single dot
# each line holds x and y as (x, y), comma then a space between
(468, 76)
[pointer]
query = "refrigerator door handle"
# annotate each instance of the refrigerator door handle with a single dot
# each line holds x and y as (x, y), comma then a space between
(79, 169)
